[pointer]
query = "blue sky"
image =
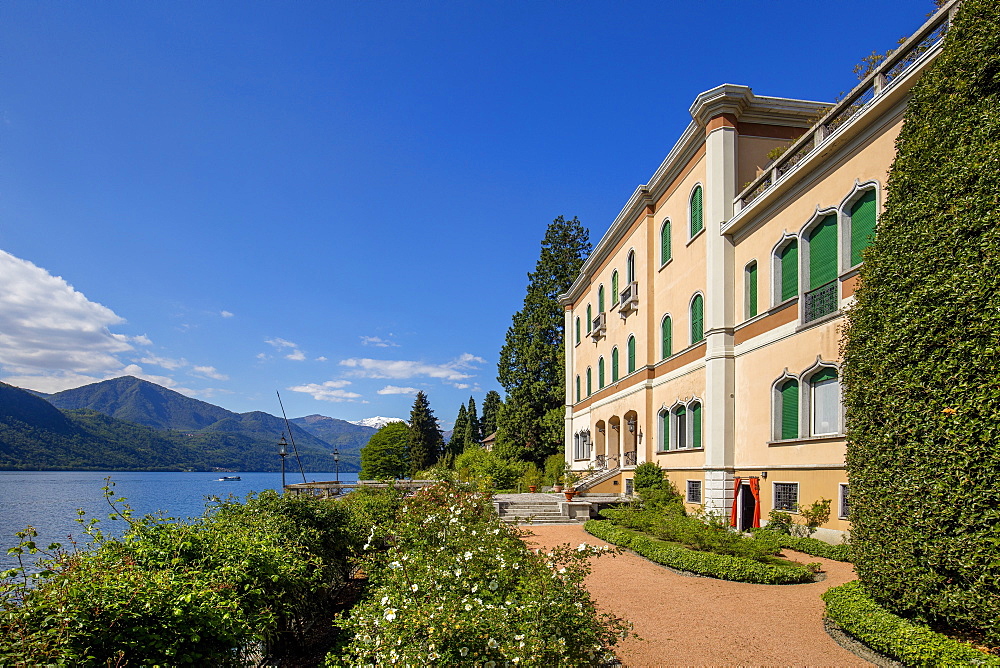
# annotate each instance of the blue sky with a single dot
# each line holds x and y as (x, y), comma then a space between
(341, 200)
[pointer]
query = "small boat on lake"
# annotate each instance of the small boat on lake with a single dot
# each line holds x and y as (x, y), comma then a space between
(228, 478)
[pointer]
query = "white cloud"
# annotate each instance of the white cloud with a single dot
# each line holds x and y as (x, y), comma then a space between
(321, 359)
(51, 335)
(226, 314)
(328, 391)
(392, 389)
(378, 342)
(397, 369)
(209, 372)
(262, 356)
(282, 344)
(164, 362)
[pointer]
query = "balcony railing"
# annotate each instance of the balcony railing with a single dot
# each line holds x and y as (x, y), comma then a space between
(629, 299)
(600, 462)
(821, 301)
(872, 87)
(600, 326)
(629, 458)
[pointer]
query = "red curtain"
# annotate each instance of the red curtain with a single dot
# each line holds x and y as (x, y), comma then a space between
(755, 490)
(736, 501)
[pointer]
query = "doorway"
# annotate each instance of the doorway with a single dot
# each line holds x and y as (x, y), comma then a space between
(747, 506)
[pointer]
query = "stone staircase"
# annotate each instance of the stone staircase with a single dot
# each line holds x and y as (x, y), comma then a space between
(540, 509)
(596, 478)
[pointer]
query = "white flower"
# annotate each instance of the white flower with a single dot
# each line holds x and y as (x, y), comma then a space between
(493, 585)
(468, 607)
(492, 643)
(562, 570)
(463, 651)
(394, 565)
(468, 555)
(458, 572)
(475, 588)
(390, 614)
(385, 600)
(583, 546)
(414, 587)
(518, 637)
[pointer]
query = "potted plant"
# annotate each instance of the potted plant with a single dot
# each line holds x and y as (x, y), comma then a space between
(532, 478)
(569, 479)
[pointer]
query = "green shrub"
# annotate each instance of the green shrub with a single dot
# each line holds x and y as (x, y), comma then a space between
(720, 566)
(816, 548)
(912, 644)
(647, 475)
(921, 355)
(455, 586)
(488, 469)
(554, 467)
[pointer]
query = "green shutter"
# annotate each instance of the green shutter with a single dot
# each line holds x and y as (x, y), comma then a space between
(590, 319)
(789, 409)
(600, 374)
(665, 242)
(696, 426)
(697, 319)
(578, 389)
(631, 354)
(826, 373)
(614, 287)
(697, 218)
(790, 271)
(752, 290)
(862, 225)
(823, 252)
(590, 382)
(666, 336)
(665, 430)
(578, 329)
(600, 299)
(614, 365)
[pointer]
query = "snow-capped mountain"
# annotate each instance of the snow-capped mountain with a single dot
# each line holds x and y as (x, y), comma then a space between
(376, 422)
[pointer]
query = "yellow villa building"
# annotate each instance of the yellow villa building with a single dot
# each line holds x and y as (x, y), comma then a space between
(703, 331)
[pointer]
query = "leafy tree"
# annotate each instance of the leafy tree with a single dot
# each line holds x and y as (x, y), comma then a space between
(425, 442)
(491, 406)
(921, 355)
(386, 454)
(456, 444)
(532, 365)
(473, 433)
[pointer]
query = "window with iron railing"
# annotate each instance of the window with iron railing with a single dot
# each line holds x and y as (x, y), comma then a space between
(821, 301)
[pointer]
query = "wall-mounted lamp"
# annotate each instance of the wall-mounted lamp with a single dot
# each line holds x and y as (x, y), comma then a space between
(616, 427)
(763, 475)
(640, 434)
(631, 425)
(600, 429)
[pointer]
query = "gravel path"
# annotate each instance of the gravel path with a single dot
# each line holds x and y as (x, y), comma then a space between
(695, 621)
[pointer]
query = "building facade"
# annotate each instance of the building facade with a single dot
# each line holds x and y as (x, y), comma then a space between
(703, 331)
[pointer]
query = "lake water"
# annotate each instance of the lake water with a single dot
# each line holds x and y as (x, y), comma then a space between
(48, 500)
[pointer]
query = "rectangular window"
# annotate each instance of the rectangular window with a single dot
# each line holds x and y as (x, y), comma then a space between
(751, 279)
(680, 433)
(786, 496)
(694, 491)
(825, 406)
(664, 431)
(844, 505)
(696, 426)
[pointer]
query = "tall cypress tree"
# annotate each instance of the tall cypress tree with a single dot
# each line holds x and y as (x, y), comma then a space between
(425, 438)
(491, 406)
(532, 362)
(921, 351)
(472, 430)
(456, 444)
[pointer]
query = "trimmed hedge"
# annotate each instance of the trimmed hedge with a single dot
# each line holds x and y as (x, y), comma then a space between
(702, 563)
(813, 546)
(921, 351)
(913, 644)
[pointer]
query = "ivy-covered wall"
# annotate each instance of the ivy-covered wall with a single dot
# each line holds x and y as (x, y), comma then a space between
(922, 351)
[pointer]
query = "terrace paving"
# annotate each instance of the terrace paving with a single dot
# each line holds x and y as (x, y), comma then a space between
(695, 621)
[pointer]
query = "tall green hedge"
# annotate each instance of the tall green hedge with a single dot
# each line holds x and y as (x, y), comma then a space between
(922, 351)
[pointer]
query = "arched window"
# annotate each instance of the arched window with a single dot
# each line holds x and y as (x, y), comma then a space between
(631, 354)
(600, 299)
(578, 329)
(600, 373)
(786, 271)
(590, 318)
(578, 388)
(663, 444)
(665, 242)
(614, 364)
(666, 337)
(824, 402)
(590, 382)
(862, 227)
(630, 267)
(787, 413)
(697, 319)
(750, 289)
(696, 211)
(680, 428)
(822, 296)
(696, 425)
(614, 287)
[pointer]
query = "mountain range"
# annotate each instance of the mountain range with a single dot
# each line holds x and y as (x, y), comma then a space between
(129, 423)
